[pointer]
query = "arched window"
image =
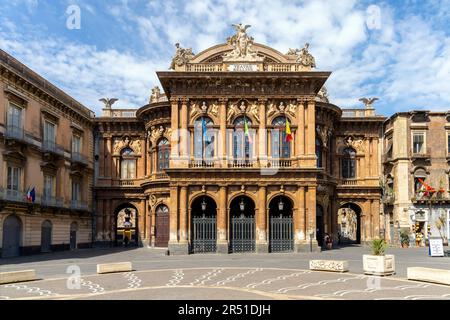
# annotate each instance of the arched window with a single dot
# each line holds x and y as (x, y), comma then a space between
(419, 175)
(319, 152)
(127, 164)
(241, 139)
(203, 138)
(281, 148)
(163, 154)
(349, 163)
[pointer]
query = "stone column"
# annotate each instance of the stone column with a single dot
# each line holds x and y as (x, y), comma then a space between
(108, 152)
(222, 218)
(174, 147)
(262, 245)
(184, 135)
(101, 166)
(99, 222)
(311, 218)
(311, 134)
(262, 133)
(173, 218)
(152, 232)
(223, 132)
(108, 221)
(300, 244)
(301, 129)
(183, 216)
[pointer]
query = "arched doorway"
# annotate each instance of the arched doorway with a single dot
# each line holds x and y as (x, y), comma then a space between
(73, 235)
(162, 226)
(319, 225)
(126, 225)
(46, 236)
(242, 224)
(12, 235)
(281, 225)
(204, 225)
(349, 223)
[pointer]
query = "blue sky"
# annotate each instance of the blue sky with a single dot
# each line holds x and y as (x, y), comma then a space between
(401, 55)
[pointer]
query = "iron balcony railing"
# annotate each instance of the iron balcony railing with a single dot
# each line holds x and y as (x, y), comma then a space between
(17, 133)
(51, 146)
(51, 201)
(80, 158)
(78, 205)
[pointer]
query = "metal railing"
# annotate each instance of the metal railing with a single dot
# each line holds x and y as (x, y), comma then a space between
(78, 205)
(80, 158)
(51, 201)
(17, 133)
(51, 146)
(127, 182)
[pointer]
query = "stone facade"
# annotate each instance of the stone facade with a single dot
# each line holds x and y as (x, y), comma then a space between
(416, 146)
(230, 165)
(38, 128)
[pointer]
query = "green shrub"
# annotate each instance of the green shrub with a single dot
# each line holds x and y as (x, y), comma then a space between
(378, 247)
(404, 236)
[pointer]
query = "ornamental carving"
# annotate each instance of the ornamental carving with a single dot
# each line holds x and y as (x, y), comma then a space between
(157, 133)
(204, 108)
(322, 96)
(368, 102)
(120, 143)
(251, 109)
(324, 134)
(156, 94)
(182, 56)
(352, 142)
(242, 46)
(282, 108)
(304, 58)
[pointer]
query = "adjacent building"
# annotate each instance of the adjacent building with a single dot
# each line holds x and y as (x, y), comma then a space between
(416, 175)
(46, 164)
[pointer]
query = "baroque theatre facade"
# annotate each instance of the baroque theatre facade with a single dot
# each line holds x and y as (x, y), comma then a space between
(243, 152)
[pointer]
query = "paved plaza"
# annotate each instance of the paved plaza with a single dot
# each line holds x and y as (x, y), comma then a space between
(213, 276)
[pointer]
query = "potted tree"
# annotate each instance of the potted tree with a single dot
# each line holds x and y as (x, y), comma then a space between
(378, 263)
(404, 238)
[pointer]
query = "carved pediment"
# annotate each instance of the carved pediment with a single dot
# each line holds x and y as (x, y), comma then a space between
(123, 142)
(242, 46)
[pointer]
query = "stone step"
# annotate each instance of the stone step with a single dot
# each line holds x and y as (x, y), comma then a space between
(329, 265)
(17, 276)
(114, 267)
(441, 276)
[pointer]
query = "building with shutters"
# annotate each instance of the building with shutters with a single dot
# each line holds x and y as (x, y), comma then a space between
(46, 165)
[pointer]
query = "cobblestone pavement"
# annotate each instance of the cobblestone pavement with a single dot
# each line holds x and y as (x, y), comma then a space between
(230, 277)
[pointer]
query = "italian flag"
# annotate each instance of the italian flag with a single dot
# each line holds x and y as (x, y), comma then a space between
(288, 131)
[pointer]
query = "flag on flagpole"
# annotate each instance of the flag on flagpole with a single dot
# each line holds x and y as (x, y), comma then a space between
(246, 132)
(427, 187)
(31, 195)
(288, 131)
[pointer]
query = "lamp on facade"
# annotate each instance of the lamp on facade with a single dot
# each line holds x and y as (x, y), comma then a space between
(203, 204)
(242, 205)
(281, 205)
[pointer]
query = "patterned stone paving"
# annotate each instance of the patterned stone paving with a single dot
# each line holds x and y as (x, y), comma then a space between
(226, 283)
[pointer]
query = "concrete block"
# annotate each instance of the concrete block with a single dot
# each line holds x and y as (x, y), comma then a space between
(441, 276)
(17, 276)
(114, 267)
(329, 265)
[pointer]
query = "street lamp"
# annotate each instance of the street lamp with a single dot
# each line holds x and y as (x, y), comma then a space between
(281, 205)
(242, 205)
(203, 205)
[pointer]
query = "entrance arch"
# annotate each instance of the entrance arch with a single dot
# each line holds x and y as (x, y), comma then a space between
(126, 225)
(349, 223)
(281, 225)
(73, 235)
(204, 225)
(319, 225)
(242, 224)
(46, 236)
(12, 236)
(162, 226)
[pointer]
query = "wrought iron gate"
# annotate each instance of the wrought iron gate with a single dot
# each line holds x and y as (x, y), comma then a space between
(203, 234)
(242, 233)
(281, 233)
